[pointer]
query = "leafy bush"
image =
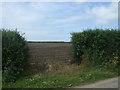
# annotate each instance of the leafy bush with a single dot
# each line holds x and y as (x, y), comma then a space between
(14, 54)
(99, 46)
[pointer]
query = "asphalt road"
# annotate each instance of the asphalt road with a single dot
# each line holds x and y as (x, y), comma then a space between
(109, 83)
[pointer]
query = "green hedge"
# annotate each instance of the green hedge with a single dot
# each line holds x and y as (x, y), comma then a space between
(99, 46)
(14, 54)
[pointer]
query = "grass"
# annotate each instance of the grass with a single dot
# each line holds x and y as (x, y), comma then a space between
(82, 76)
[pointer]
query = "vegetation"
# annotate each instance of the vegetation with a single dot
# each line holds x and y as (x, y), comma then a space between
(15, 52)
(96, 52)
(81, 76)
(99, 46)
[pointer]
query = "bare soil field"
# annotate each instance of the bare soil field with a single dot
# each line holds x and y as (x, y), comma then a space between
(45, 45)
(44, 53)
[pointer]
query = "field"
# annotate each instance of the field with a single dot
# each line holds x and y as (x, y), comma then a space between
(42, 53)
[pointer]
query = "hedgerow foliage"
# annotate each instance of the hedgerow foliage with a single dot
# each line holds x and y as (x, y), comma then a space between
(14, 54)
(101, 47)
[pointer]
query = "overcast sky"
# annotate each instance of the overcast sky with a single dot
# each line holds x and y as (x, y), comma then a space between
(54, 21)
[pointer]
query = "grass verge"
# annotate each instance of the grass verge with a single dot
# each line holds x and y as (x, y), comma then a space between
(84, 75)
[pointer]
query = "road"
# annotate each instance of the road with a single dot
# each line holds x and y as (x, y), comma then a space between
(109, 83)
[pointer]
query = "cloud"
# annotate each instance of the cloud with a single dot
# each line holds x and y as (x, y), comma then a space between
(70, 19)
(17, 15)
(103, 14)
(59, 0)
(36, 1)
(1, 15)
(98, 15)
(47, 14)
(42, 20)
(96, 0)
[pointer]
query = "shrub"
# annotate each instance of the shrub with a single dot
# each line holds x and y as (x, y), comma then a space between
(14, 54)
(99, 46)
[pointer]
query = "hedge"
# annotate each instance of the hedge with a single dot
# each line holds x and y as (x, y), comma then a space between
(99, 46)
(14, 54)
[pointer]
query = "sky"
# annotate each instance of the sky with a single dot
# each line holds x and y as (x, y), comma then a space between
(54, 21)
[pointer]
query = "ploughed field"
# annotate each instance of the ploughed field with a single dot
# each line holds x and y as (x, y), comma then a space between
(40, 53)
